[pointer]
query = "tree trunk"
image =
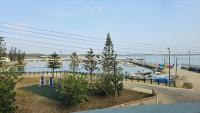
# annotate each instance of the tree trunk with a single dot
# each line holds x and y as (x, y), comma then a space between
(90, 79)
(53, 73)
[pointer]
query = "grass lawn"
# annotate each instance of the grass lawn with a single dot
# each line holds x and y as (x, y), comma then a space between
(45, 91)
(35, 99)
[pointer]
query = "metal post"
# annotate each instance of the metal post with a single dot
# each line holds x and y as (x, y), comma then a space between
(164, 60)
(174, 58)
(158, 80)
(189, 59)
(169, 67)
(176, 66)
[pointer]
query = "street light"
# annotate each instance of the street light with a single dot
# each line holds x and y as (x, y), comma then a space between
(189, 60)
(169, 66)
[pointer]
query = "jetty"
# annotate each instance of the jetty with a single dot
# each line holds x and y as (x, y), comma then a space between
(144, 64)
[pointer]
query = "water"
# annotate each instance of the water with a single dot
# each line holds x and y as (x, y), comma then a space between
(161, 59)
(35, 66)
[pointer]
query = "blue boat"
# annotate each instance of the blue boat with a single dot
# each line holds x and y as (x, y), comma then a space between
(161, 79)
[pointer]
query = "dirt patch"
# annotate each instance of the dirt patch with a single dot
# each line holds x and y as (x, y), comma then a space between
(27, 81)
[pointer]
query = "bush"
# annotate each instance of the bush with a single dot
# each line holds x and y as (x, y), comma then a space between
(73, 90)
(188, 85)
(8, 81)
(105, 85)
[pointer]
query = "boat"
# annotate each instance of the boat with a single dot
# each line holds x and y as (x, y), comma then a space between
(134, 76)
(130, 65)
(143, 73)
(140, 59)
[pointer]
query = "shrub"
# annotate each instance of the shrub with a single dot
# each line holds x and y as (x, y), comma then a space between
(188, 85)
(8, 81)
(105, 86)
(73, 90)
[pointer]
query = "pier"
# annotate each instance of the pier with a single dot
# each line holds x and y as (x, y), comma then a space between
(144, 64)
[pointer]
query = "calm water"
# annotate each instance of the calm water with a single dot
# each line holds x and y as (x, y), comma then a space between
(160, 59)
(32, 66)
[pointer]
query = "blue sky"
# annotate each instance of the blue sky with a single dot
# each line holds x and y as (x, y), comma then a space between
(148, 24)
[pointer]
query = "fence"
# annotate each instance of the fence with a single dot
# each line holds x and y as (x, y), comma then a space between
(48, 72)
(153, 81)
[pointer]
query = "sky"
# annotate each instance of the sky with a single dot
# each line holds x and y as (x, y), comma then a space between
(136, 26)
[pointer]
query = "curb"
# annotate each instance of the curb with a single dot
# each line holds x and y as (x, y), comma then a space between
(159, 86)
(133, 102)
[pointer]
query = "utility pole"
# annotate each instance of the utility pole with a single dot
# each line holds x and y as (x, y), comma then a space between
(189, 59)
(176, 66)
(169, 66)
(174, 58)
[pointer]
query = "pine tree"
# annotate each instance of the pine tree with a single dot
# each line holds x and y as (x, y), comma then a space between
(53, 62)
(108, 57)
(74, 62)
(15, 54)
(110, 81)
(90, 64)
(2, 51)
(11, 55)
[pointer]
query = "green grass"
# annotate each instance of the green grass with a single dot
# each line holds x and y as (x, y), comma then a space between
(45, 91)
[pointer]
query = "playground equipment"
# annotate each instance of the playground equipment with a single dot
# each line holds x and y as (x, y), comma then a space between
(51, 82)
(42, 81)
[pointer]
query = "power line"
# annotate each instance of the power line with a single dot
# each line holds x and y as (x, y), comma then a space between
(52, 44)
(70, 34)
(57, 32)
(46, 47)
(66, 34)
(94, 38)
(73, 37)
(53, 39)
(68, 41)
(58, 36)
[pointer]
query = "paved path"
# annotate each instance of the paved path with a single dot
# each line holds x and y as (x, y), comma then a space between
(174, 95)
(161, 108)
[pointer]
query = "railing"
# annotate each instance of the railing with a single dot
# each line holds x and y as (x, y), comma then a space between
(47, 72)
(153, 81)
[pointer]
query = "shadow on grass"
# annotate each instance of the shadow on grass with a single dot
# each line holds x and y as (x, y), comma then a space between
(45, 91)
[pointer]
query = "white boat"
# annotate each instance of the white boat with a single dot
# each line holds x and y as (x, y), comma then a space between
(129, 65)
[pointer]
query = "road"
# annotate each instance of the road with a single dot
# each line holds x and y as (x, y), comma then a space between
(168, 95)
